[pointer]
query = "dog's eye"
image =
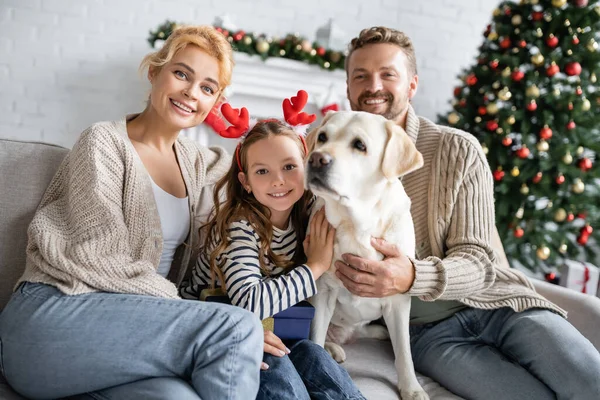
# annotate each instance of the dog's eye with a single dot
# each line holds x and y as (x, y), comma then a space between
(322, 138)
(359, 145)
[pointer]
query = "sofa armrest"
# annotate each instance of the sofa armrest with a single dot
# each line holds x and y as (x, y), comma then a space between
(583, 309)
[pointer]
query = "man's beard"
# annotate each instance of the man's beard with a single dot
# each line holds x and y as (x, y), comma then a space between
(392, 109)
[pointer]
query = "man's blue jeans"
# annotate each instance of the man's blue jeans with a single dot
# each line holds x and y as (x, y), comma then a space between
(308, 372)
(502, 354)
(53, 345)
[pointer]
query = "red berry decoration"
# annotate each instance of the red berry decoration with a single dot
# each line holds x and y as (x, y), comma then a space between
(537, 177)
(571, 125)
(491, 125)
(552, 70)
(573, 68)
(545, 133)
(507, 141)
(518, 233)
(585, 164)
(560, 179)
(471, 79)
(498, 175)
(517, 75)
(552, 41)
(523, 152)
(531, 106)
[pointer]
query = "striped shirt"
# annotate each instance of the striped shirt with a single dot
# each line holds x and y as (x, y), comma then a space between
(247, 286)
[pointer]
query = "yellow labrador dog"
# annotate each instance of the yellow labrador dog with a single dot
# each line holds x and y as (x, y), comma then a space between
(353, 167)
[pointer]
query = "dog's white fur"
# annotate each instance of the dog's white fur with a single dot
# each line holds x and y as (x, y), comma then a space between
(363, 198)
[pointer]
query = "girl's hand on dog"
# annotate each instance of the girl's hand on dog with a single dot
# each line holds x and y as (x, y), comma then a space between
(274, 346)
(318, 245)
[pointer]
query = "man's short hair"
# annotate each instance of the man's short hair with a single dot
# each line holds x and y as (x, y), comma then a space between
(381, 34)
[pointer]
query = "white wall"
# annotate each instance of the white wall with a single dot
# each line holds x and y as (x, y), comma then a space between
(65, 64)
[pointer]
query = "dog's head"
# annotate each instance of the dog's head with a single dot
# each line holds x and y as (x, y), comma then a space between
(352, 152)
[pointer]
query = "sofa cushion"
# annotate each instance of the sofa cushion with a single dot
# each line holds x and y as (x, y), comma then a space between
(27, 169)
(370, 363)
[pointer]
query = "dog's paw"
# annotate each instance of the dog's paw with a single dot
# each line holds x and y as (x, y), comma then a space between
(413, 395)
(336, 351)
(375, 331)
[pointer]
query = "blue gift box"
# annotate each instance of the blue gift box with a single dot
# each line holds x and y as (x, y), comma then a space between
(291, 324)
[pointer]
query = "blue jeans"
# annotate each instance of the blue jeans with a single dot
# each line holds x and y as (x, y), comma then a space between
(502, 354)
(54, 345)
(308, 372)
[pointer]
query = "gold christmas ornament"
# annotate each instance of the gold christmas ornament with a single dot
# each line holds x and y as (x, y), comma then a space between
(563, 248)
(515, 171)
(516, 19)
(247, 40)
(569, 52)
(556, 92)
(560, 215)
(524, 190)
(549, 205)
(532, 91)
(485, 149)
(597, 9)
(592, 45)
(539, 33)
(478, 119)
(543, 253)
(335, 57)
(567, 158)
(567, 22)
(511, 120)
(326, 64)
(537, 59)
(543, 146)
(313, 52)
(499, 131)
(517, 31)
(519, 213)
(578, 186)
(161, 34)
(534, 2)
(497, 12)
(586, 105)
(547, 17)
(580, 151)
(282, 52)
(262, 46)
(593, 78)
(506, 72)
(453, 118)
(495, 85)
(493, 36)
(492, 108)
(504, 94)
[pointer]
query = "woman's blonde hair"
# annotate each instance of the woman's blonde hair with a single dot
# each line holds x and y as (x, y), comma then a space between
(240, 205)
(207, 38)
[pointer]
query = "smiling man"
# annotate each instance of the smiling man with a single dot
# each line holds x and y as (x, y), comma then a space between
(477, 327)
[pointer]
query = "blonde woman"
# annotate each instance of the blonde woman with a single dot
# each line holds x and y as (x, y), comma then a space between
(97, 308)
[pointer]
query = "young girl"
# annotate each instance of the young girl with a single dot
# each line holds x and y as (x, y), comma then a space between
(263, 263)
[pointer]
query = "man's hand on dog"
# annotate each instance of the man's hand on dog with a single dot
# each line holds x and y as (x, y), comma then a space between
(274, 346)
(367, 278)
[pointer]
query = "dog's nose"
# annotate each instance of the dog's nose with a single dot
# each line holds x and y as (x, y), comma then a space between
(319, 160)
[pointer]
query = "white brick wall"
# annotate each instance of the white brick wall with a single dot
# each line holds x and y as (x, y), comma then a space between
(65, 64)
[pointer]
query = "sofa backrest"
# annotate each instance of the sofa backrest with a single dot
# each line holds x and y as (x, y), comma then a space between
(26, 169)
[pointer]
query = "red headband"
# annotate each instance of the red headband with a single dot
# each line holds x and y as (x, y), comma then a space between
(240, 120)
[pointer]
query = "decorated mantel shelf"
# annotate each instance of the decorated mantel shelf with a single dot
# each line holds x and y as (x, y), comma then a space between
(261, 86)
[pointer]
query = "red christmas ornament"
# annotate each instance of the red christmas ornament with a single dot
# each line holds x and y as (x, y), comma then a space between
(498, 175)
(507, 11)
(219, 29)
(537, 177)
(570, 217)
(578, 91)
(575, 40)
(482, 110)
(560, 179)
(531, 106)
(462, 103)
(457, 91)
(494, 64)
(587, 229)
(505, 43)
(582, 215)
(537, 15)
(552, 41)
(471, 79)
(552, 278)
(507, 141)
(571, 125)
(518, 233)
(517, 75)
(573, 68)
(522, 43)
(491, 125)
(584, 235)
(552, 70)
(570, 106)
(320, 51)
(225, 32)
(239, 35)
(523, 152)
(585, 164)
(580, 3)
(545, 133)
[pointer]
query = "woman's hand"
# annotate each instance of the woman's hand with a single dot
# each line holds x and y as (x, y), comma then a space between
(274, 346)
(318, 245)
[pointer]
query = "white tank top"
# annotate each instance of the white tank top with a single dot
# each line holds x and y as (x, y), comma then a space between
(174, 216)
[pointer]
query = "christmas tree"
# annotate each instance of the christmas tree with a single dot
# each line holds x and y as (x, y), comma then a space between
(532, 101)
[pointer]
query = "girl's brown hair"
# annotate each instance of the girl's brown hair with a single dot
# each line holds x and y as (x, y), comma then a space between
(241, 205)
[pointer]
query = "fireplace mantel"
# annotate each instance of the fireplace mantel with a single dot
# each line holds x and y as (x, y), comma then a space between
(261, 86)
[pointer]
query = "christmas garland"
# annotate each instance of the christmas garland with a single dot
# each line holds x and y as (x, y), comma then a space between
(293, 46)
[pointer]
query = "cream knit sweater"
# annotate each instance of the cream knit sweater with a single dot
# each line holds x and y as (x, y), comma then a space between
(453, 212)
(97, 227)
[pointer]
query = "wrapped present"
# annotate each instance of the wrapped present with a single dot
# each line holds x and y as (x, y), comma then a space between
(293, 323)
(579, 276)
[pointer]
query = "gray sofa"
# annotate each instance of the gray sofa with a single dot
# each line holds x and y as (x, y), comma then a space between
(26, 169)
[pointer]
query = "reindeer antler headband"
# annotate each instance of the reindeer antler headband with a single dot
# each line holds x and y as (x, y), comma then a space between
(241, 124)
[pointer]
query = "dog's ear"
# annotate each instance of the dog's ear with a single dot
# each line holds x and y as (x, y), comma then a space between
(400, 155)
(311, 138)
